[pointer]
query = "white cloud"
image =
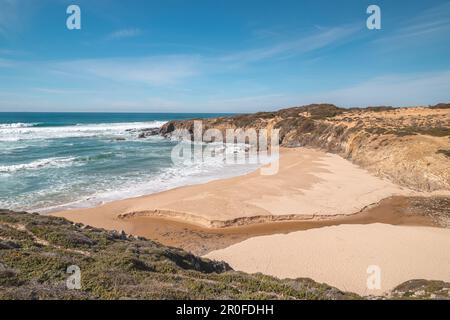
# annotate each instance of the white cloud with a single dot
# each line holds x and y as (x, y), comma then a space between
(8, 16)
(433, 23)
(393, 90)
(6, 63)
(14, 15)
(125, 33)
(318, 40)
(169, 70)
(154, 71)
(396, 90)
(245, 103)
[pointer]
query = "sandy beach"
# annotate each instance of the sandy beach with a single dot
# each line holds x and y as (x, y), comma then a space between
(201, 240)
(320, 216)
(310, 185)
(341, 255)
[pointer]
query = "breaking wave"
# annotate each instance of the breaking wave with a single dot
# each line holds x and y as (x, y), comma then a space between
(39, 164)
(32, 131)
(18, 125)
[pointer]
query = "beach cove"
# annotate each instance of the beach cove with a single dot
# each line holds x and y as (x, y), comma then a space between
(321, 200)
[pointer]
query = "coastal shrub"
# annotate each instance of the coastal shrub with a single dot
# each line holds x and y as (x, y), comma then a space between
(12, 233)
(441, 106)
(444, 152)
(436, 132)
(429, 131)
(8, 278)
(8, 245)
(380, 108)
(128, 268)
(64, 238)
(325, 112)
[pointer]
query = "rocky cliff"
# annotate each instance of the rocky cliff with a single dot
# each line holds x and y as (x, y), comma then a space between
(410, 146)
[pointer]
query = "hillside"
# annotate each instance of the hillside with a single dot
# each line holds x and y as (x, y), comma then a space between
(410, 146)
(36, 250)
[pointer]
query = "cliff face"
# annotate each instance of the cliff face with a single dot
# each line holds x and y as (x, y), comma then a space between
(410, 146)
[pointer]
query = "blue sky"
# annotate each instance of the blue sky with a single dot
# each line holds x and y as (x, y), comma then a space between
(221, 56)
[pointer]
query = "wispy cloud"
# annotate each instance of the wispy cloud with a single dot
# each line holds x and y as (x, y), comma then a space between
(247, 103)
(431, 23)
(15, 16)
(154, 71)
(171, 69)
(8, 16)
(151, 103)
(318, 40)
(396, 89)
(62, 91)
(124, 33)
(5, 63)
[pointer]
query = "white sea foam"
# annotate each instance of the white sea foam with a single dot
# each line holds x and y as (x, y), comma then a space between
(212, 168)
(86, 190)
(17, 125)
(8, 132)
(58, 162)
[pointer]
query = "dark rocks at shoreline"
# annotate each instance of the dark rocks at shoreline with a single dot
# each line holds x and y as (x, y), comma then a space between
(145, 133)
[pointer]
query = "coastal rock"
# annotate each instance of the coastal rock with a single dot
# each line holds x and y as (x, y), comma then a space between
(409, 146)
(144, 133)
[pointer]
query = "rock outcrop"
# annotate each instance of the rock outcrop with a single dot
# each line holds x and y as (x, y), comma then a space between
(409, 146)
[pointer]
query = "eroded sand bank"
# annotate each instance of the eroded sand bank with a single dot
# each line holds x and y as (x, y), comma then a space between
(341, 255)
(310, 184)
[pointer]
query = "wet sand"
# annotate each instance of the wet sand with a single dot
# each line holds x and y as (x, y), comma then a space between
(320, 217)
(309, 185)
(200, 240)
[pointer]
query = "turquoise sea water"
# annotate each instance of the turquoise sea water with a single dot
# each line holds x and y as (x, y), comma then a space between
(50, 161)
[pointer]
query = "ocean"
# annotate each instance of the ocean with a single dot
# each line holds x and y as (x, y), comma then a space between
(55, 161)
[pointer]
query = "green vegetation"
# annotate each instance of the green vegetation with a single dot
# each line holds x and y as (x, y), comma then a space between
(411, 131)
(317, 111)
(421, 289)
(445, 152)
(36, 250)
(441, 106)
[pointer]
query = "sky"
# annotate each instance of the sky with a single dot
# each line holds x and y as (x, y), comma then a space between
(221, 55)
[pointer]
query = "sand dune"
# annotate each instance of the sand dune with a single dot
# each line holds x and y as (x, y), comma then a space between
(341, 255)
